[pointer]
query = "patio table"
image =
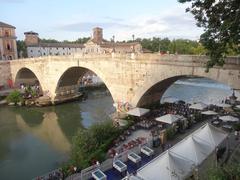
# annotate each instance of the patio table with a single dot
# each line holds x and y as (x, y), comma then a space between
(134, 157)
(120, 166)
(147, 151)
(99, 175)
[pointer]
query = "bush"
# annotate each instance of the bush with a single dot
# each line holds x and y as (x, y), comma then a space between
(236, 127)
(14, 97)
(93, 143)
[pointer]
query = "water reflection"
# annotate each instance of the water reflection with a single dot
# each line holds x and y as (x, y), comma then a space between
(48, 130)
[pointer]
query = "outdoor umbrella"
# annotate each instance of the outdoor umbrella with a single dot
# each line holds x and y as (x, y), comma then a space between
(198, 106)
(238, 106)
(169, 118)
(209, 113)
(138, 111)
(170, 100)
(223, 105)
(229, 119)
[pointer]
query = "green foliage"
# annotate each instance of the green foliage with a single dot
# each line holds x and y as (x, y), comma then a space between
(14, 97)
(226, 172)
(49, 41)
(21, 49)
(236, 127)
(220, 20)
(79, 40)
(170, 133)
(93, 143)
(178, 46)
(82, 40)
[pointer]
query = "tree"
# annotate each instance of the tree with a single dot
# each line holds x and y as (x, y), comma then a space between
(21, 49)
(93, 143)
(220, 20)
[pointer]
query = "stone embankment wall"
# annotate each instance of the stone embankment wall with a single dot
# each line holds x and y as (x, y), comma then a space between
(5, 73)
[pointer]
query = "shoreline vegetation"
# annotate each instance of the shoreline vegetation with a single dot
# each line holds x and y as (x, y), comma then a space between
(90, 146)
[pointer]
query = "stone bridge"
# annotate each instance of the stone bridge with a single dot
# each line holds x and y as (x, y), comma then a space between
(137, 79)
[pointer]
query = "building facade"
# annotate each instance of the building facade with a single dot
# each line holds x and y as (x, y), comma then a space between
(8, 45)
(35, 48)
(97, 45)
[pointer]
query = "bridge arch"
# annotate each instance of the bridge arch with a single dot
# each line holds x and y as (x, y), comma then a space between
(27, 76)
(154, 88)
(70, 78)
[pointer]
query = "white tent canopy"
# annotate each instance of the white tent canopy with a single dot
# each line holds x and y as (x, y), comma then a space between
(229, 119)
(198, 106)
(166, 166)
(169, 118)
(179, 162)
(209, 113)
(170, 100)
(138, 111)
(210, 134)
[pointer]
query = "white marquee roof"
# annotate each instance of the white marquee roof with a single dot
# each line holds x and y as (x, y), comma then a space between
(177, 162)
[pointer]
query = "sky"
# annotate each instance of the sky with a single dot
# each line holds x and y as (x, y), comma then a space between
(72, 19)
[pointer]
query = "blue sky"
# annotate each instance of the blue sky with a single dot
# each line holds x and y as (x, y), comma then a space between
(71, 19)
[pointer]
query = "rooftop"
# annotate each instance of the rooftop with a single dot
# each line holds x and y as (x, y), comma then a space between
(2, 24)
(31, 32)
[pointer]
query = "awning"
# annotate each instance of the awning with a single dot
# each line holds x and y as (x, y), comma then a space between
(229, 119)
(209, 113)
(169, 118)
(138, 111)
(198, 106)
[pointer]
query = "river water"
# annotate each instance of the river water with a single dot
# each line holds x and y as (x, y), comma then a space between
(34, 141)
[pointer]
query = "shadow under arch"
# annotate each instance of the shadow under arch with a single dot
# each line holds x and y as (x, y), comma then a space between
(71, 77)
(154, 93)
(27, 76)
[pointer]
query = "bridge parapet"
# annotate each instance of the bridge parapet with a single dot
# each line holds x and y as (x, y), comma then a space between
(150, 57)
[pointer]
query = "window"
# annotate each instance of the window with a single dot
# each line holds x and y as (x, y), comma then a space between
(8, 47)
(7, 33)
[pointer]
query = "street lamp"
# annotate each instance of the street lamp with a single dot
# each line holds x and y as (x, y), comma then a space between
(133, 36)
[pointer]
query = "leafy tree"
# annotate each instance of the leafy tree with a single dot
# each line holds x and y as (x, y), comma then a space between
(49, 41)
(92, 143)
(220, 20)
(21, 49)
(82, 40)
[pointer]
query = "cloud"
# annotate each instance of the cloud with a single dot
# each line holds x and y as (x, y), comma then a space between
(86, 26)
(161, 24)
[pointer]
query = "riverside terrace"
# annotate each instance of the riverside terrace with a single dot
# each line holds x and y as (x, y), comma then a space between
(146, 131)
